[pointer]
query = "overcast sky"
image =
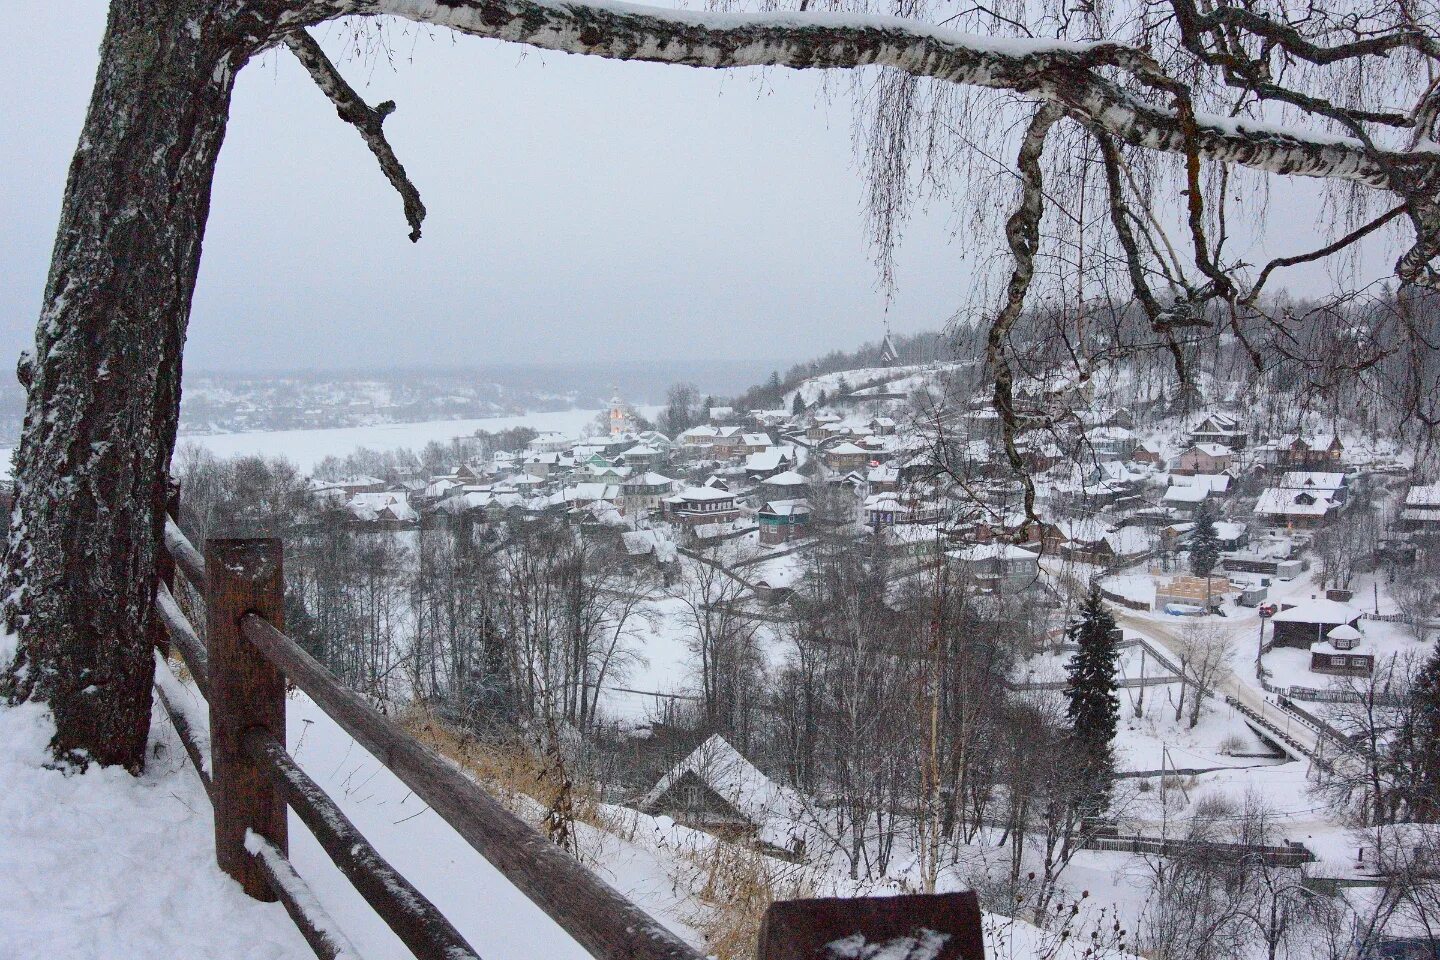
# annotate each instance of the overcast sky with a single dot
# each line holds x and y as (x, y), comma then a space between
(579, 209)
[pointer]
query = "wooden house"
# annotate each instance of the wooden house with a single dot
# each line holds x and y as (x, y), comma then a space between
(1310, 621)
(717, 790)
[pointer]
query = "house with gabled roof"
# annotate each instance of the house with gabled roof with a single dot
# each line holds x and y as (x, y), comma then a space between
(1204, 458)
(1421, 511)
(1294, 509)
(717, 790)
(1220, 428)
(642, 493)
(1318, 452)
(783, 520)
(701, 505)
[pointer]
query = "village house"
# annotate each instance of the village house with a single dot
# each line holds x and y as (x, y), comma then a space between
(1148, 452)
(642, 456)
(887, 509)
(1185, 498)
(728, 443)
(1204, 458)
(767, 462)
(846, 456)
(1421, 512)
(783, 520)
(883, 478)
(1219, 428)
(701, 505)
(1111, 443)
(999, 566)
(389, 510)
(755, 443)
(1343, 652)
(1310, 621)
(702, 436)
(788, 485)
(643, 492)
(882, 426)
(1313, 453)
(1293, 509)
(549, 442)
(1333, 485)
(717, 790)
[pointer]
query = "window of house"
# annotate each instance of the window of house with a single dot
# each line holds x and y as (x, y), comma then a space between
(691, 796)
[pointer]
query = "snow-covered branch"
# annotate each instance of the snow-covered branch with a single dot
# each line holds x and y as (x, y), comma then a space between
(1067, 73)
(369, 121)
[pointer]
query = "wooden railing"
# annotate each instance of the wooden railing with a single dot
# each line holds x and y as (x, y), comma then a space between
(242, 667)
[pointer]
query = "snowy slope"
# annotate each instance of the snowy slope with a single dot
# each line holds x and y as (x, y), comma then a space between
(104, 865)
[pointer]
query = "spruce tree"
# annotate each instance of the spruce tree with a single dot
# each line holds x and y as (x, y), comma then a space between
(1418, 744)
(797, 407)
(1094, 708)
(1204, 544)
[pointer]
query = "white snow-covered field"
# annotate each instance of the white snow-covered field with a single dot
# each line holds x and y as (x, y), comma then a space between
(305, 448)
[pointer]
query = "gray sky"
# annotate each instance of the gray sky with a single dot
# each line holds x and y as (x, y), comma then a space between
(580, 209)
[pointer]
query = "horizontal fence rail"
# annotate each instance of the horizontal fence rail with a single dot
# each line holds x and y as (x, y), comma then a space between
(590, 910)
(240, 667)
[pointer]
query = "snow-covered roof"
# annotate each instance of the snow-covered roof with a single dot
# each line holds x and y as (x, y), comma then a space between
(1344, 632)
(1311, 480)
(1214, 482)
(847, 449)
(775, 810)
(1186, 494)
(697, 494)
(639, 543)
(787, 479)
(374, 506)
(764, 460)
(650, 479)
(786, 508)
(1423, 495)
(991, 551)
(1318, 610)
(1212, 449)
(1281, 502)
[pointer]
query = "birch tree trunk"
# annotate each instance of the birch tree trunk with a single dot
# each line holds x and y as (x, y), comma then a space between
(104, 380)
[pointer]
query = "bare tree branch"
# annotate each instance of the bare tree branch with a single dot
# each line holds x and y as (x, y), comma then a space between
(367, 120)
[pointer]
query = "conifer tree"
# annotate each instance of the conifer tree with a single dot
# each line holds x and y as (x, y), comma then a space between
(1419, 743)
(1204, 544)
(797, 406)
(1094, 708)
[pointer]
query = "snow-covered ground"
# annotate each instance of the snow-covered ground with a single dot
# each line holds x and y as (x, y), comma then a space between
(105, 865)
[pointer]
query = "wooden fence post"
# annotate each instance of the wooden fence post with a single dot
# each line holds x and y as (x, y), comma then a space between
(943, 926)
(246, 576)
(165, 570)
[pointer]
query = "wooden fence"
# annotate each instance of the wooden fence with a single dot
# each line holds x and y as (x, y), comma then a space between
(242, 666)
